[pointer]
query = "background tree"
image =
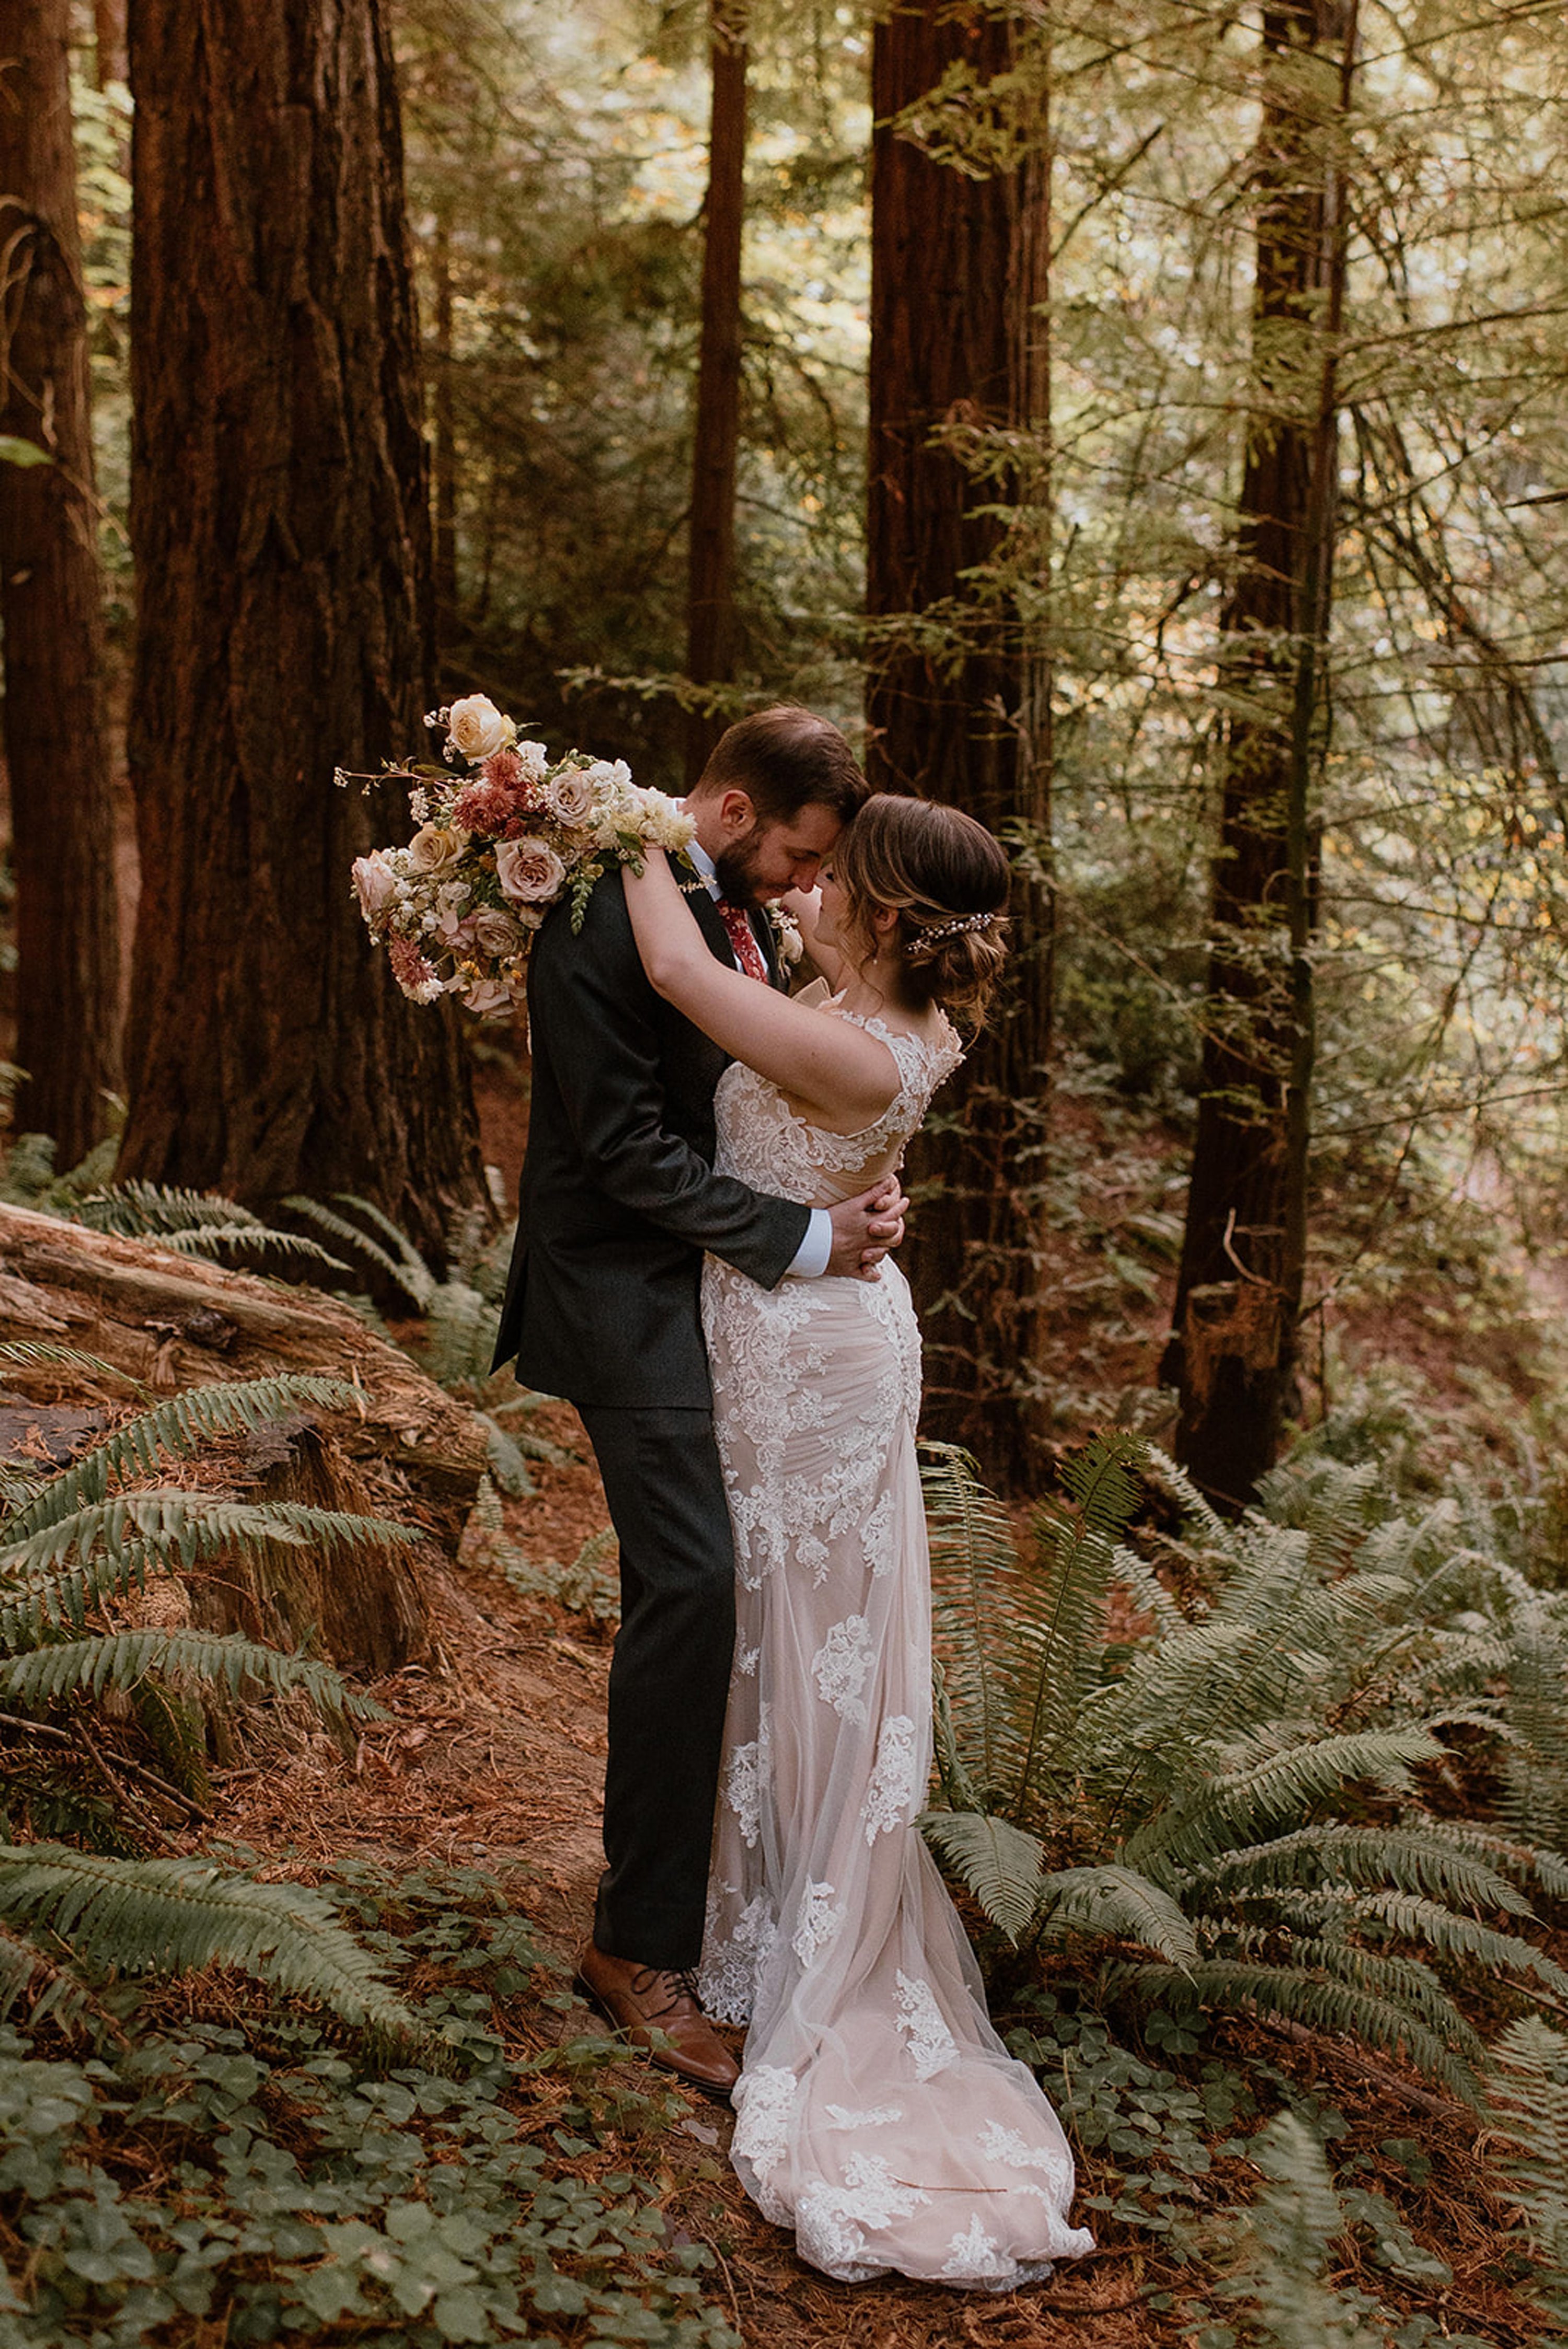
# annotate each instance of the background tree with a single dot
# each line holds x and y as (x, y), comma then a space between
(957, 702)
(710, 590)
(282, 535)
(1238, 1288)
(62, 817)
(109, 41)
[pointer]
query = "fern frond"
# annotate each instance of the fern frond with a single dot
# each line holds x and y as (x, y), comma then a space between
(504, 1460)
(1296, 1994)
(1056, 1663)
(1404, 1859)
(974, 1567)
(1146, 1590)
(402, 1263)
(138, 1209)
(1283, 2242)
(1414, 1918)
(218, 1241)
(1000, 1864)
(1199, 1513)
(1246, 1805)
(1119, 1903)
(37, 1353)
(179, 1426)
(459, 1334)
(120, 1659)
(1528, 2087)
(172, 1916)
(29, 1609)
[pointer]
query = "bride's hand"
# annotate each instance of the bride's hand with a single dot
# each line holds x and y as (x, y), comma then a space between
(865, 1229)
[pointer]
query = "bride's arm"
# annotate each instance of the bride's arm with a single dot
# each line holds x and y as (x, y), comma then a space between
(829, 1063)
(804, 903)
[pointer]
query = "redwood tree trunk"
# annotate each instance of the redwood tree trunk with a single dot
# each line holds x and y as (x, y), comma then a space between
(444, 451)
(710, 594)
(281, 529)
(109, 31)
(62, 810)
(1234, 1347)
(959, 339)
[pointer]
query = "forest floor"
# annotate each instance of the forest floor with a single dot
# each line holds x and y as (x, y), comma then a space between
(491, 1758)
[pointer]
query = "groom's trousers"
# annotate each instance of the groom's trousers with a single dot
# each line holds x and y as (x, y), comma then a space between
(669, 1678)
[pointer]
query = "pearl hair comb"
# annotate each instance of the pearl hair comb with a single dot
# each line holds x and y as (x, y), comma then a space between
(926, 941)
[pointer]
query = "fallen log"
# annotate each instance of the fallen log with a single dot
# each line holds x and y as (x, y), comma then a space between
(406, 1449)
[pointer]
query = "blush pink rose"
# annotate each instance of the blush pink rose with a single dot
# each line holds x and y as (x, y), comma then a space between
(528, 871)
(374, 884)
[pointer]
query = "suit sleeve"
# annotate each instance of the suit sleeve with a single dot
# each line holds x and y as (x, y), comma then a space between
(592, 994)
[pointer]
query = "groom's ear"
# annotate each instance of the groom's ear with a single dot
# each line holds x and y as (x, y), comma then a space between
(737, 815)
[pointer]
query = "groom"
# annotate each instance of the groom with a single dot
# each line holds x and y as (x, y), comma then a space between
(619, 1203)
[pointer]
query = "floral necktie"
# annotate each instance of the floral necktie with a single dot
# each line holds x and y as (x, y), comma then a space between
(743, 938)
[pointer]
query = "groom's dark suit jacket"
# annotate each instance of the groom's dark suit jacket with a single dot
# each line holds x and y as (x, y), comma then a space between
(619, 1197)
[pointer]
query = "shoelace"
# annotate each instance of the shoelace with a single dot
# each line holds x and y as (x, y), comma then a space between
(683, 1984)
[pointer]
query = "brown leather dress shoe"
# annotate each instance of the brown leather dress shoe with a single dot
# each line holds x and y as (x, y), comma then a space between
(642, 1999)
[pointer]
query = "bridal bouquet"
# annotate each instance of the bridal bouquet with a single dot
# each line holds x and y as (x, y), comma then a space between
(495, 849)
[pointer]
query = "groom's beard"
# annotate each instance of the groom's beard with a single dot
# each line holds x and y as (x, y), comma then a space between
(736, 871)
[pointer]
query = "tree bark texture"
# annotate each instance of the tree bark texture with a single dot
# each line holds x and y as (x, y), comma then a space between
(282, 535)
(108, 37)
(444, 451)
(62, 811)
(959, 342)
(710, 589)
(1239, 1293)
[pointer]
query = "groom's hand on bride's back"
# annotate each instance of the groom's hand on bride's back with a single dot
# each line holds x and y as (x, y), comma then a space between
(865, 1229)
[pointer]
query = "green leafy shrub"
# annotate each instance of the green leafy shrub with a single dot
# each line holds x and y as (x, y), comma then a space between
(1237, 1786)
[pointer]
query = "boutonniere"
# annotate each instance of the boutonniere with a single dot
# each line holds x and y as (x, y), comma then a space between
(786, 936)
(688, 878)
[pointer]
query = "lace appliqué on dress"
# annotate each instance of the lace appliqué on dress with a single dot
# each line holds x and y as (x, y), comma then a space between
(890, 1796)
(931, 2044)
(746, 1782)
(820, 1918)
(973, 2258)
(830, 2219)
(840, 1668)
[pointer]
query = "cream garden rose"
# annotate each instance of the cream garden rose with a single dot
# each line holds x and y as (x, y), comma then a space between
(435, 849)
(476, 726)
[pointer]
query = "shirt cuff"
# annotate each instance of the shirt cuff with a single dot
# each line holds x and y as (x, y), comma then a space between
(811, 1256)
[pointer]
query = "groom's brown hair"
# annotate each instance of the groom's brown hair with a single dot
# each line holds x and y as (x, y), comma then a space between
(785, 758)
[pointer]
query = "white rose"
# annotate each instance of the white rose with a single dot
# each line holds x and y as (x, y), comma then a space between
(476, 726)
(374, 884)
(528, 871)
(535, 756)
(436, 849)
(570, 798)
(497, 934)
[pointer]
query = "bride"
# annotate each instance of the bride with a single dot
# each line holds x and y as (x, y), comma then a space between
(879, 2113)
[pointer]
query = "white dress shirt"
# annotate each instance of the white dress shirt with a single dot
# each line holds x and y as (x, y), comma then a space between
(810, 1260)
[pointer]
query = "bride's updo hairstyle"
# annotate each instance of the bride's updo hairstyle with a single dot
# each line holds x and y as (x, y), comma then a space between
(946, 879)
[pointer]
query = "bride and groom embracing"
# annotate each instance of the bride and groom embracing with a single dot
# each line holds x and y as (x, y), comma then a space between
(708, 1199)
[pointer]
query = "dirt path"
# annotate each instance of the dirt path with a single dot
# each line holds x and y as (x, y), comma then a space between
(493, 1758)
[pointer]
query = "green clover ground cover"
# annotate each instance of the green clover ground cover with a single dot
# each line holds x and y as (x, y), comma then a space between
(266, 2176)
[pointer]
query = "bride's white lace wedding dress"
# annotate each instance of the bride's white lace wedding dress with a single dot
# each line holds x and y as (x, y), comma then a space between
(879, 2113)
